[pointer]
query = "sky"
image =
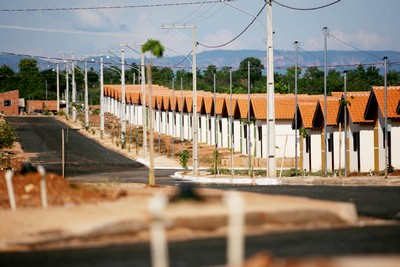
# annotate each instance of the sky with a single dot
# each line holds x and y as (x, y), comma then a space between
(89, 30)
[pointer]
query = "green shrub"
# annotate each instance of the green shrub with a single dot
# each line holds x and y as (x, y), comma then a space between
(184, 159)
(8, 135)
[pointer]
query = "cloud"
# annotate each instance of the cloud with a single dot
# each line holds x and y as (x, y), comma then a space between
(340, 40)
(90, 20)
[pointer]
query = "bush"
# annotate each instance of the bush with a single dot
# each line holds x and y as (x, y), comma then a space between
(184, 159)
(8, 135)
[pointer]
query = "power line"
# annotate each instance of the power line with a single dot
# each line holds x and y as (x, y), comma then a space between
(352, 46)
(111, 7)
(240, 34)
(307, 8)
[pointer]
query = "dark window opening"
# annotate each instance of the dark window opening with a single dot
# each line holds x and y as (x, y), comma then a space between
(7, 103)
(308, 144)
(356, 141)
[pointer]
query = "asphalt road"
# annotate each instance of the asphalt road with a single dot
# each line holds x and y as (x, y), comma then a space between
(382, 240)
(42, 137)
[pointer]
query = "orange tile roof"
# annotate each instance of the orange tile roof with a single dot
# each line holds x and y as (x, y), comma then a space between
(307, 111)
(332, 109)
(356, 107)
(259, 108)
(393, 96)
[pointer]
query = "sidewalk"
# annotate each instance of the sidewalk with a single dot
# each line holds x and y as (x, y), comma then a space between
(166, 162)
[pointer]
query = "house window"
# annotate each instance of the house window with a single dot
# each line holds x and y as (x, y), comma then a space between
(199, 122)
(209, 124)
(245, 131)
(259, 133)
(220, 126)
(356, 141)
(7, 103)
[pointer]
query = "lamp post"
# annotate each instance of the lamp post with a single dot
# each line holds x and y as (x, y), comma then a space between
(73, 89)
(386, 122)
(345, 123)
(248, 118)
(67, 89)
(296, 46)
(86, 97)
(194, 95)
(58, 87)
(101, 97)
(326, 33)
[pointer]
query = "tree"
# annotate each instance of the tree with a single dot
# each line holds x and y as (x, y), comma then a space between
(255, 69)
(313, 81)
(157, 50)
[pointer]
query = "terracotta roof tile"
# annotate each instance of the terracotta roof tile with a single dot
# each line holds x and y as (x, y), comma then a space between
(393, 96)
(307, 111)
(356, 107)
(332, 108)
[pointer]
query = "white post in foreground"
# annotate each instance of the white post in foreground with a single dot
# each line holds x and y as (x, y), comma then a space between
(158, 242)
(43, 190)
(9, 174)
(235, 248)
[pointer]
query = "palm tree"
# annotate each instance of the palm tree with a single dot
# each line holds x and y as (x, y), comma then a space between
(157, 50)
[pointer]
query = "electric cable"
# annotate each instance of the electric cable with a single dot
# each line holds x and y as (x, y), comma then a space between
(237, 36)
(111, 7)
(308, 8)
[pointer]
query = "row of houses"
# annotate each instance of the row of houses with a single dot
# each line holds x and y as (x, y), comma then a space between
(364, 148)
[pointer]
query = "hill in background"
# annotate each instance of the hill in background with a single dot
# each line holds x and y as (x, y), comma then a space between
(283, 59)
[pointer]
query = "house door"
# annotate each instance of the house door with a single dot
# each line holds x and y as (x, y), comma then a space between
(308, 150)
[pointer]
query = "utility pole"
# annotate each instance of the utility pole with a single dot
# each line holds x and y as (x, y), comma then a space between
(67, 81)
(58, 87)
(296, 46)
(123, 97)
(231, 119)
(66, 89)
(73, 89)
(144, 116)
(143, 83)
(194, 110)
(123, 115)
(101, 97)
(271, 95)
(86, 97)
(248, 118)
(345, 123)
(386, 121)
(326, 34)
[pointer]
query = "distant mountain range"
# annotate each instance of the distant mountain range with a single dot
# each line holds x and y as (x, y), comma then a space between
(340, 60)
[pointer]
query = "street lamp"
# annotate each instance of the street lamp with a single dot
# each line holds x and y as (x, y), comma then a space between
(296, 46)
(194, 109)
(326, 34)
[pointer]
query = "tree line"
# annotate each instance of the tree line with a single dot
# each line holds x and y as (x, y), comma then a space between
(35, 84)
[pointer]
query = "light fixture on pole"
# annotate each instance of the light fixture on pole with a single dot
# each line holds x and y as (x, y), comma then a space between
(86, 97)
(194, 109)
(385, 115)
(326, 34)
(296, 46)
(73, 89)
(101, 97)
(345, 123)
(58, 87)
